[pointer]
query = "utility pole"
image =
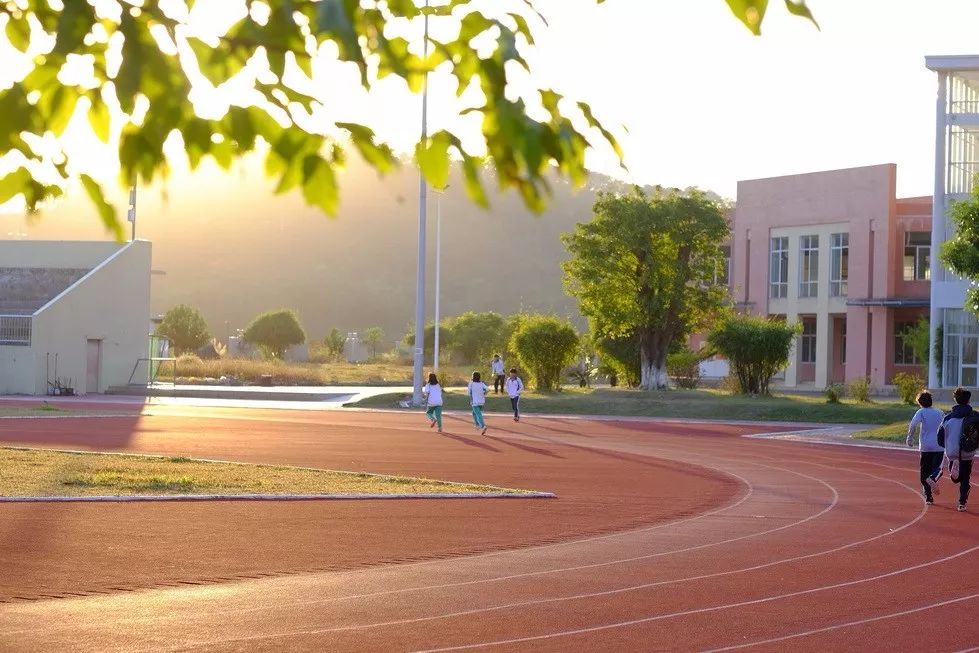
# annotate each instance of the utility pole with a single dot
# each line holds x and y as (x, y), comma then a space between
(416, 397)
(132, 211)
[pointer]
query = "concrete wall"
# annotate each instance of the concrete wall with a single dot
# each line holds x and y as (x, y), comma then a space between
(110, 304)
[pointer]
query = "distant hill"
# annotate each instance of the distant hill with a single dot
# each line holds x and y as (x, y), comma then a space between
(230, 247)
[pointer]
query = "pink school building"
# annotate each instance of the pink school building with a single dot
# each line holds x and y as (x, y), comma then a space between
(840, 253)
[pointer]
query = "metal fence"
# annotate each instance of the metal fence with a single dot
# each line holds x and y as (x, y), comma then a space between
(15, 330)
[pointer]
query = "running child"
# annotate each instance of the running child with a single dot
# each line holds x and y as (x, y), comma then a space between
(433, 391)
(930, 420)
(513, 387)
(477, 397)
(959, 457)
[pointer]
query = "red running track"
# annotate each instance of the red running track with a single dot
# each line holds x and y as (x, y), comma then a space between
(676, 536)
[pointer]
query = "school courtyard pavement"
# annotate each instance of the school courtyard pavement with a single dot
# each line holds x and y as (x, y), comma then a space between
(676, 535)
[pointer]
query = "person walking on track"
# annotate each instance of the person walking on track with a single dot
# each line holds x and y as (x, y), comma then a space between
(931, 452)
(499, 373)
(477, 397)
(514, 386)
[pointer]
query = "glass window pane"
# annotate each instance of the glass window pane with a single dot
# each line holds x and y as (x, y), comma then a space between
(970, 351)
(968, 376)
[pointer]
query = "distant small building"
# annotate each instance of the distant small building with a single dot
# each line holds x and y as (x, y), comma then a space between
(73, 315)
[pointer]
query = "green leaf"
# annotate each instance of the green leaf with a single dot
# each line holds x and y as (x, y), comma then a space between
(19, 33)
(799, 8)
(58, 106)
(378, 155)
(593, 122)
(99, 118)
(474, 185)
(130, 70)
(749, 12)
(433, 159)
(74, 22)
(320, 184)
(14, 183)
(106, 211)
(335, 19)
(218, 65)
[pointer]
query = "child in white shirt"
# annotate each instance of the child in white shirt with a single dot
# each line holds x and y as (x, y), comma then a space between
(477, 397)
(434, 393)
(932, 453)
(513, 387)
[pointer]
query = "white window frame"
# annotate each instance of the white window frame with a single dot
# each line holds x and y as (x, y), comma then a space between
(920, 257)
(807, 342)
(778, 267)
(809, 265)
(839, 264)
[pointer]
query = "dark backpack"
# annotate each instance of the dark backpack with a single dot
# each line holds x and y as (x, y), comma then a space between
(969, 440)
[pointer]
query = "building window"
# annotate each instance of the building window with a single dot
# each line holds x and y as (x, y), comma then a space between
(917, 256)
(809, 266)
(839, 264)
(778, 280)
(843, 342)
(722, 276)
(903, 351)
(807, 342)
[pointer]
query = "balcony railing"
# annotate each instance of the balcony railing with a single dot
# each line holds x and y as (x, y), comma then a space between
(15, 330)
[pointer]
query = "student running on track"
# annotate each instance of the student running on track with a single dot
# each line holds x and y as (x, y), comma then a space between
(434, 393)
(930, 420)
(477, 397)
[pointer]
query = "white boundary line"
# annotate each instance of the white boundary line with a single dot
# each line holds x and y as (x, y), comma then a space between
(77, 416)
(847, 624)
(273, 497)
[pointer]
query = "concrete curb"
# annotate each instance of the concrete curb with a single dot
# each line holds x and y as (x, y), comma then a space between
(273, 497)
(80, 416)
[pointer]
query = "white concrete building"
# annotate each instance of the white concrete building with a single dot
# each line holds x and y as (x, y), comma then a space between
(956, 165)
(83, 306)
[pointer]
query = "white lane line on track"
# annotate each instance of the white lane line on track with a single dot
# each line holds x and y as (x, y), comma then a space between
(714, 608)
(739, 604)
(848, 624)
(917, 518)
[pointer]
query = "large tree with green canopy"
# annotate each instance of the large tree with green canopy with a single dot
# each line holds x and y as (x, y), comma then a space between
(644, 266)
(137, 65)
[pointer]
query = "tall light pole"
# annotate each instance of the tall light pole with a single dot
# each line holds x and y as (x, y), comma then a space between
(438, 268)
(416, 396)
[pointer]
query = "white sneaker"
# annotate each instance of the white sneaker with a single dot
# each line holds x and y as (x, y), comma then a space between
(961, 507)
(933, 484)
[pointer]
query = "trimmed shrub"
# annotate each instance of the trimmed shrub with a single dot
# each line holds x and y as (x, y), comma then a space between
(274, 332)
(545, 345)
(756, 348)
(684, 368)
(859, 389)
(834, 392)
(908, 386)
(185, 327)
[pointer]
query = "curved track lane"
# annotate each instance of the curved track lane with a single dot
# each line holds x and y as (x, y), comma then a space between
(664, 536)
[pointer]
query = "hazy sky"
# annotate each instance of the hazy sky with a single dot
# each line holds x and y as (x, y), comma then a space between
(705, 102)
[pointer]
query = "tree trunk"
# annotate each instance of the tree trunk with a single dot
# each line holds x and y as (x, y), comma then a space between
(652, 363)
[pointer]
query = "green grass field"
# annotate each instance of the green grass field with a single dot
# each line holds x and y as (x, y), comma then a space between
(893, 432)
(39, 472)
(703, 404)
